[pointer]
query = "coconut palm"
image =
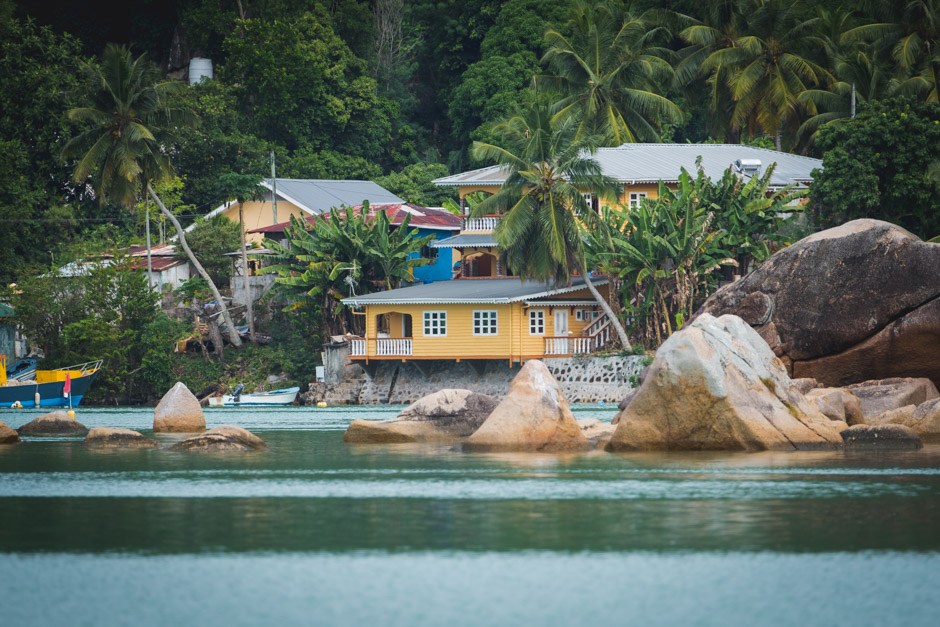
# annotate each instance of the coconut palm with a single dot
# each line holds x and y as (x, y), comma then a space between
(542, 200)
(911, 30)
(242, 187)
(610, 71)
(122, 145)
(768, 67)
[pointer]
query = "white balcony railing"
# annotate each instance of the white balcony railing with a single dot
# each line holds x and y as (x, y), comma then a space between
(579, 344)
(487, 223)
(357, 347)
(393, 347)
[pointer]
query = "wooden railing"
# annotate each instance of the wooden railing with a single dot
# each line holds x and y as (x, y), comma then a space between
(393, 347)
(384, 347)
(486, 223)
(580, 344)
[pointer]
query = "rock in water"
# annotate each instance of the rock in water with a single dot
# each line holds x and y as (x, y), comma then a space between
(881, 437)
(53, 423)
(716, 385)
(860, 301)
(883, 395)
(534, 416)
(8, 435)
(923, 419)
(837, 404)
(178, 411)
(109, 438)
(444, 416)
(224, 438)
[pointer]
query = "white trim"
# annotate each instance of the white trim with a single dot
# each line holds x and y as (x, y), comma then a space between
(441, 318)
(365, 300)
(485, 322)
(540, 322)
(561, 303)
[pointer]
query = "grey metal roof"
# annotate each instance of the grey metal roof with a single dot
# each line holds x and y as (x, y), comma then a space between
(636, 163)
(466, 241)
(468, 291)
(316, 196)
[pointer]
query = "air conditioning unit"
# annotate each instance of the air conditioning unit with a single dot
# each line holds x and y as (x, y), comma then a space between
(751, 167)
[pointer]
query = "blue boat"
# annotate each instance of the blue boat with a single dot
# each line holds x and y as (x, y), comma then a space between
(47, 388)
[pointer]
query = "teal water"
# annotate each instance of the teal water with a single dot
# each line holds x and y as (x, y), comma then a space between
(314, 531)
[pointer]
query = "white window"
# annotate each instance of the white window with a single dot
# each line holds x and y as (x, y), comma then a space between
(536, 322)
(435, 323)
(636, 198)
(585, 315)
(484, 322)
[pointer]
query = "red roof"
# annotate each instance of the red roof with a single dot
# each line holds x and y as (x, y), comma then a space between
(159, 264)
(421, 217)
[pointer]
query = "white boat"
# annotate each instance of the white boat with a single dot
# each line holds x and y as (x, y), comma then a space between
(284, 396)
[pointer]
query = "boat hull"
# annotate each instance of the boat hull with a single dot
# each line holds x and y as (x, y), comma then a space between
(50, 394)
(275, 397)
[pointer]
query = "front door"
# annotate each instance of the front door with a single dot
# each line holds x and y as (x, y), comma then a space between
(561, 331)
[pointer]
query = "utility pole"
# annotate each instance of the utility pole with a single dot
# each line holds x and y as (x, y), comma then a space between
(853, 100)
(149, 260)
(273, 188)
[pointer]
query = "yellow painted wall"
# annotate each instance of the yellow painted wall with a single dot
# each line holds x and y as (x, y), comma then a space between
(260, 214)
(512, 339)
(651, 190)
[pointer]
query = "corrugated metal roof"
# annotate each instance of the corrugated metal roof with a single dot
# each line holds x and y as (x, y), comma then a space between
(6, 311)
(421, 217)
(632, 163)
(317, 196)
(468, 291)
(466, 241)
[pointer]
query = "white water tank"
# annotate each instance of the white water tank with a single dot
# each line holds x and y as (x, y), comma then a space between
(199, 69)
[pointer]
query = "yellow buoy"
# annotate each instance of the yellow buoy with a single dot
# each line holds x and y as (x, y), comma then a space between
(71, 414)
(321, 404)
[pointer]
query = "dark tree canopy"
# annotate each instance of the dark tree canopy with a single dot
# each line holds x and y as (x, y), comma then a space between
(883, 164)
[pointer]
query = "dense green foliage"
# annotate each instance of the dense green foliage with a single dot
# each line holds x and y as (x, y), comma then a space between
(882, 165)
(349, 253)
(211, 241)
(664, 254)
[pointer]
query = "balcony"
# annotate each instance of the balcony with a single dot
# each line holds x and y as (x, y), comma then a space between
(596, 338)
(486, 223)
(384, 347)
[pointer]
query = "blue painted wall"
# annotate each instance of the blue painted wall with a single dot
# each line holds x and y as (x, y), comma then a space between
(442, 268)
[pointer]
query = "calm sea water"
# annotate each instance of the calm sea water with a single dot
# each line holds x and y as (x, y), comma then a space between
(314, 531)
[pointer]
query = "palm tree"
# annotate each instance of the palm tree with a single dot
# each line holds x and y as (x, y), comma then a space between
(242, 187)
(127, 127)
(911, 30)
(768, 69)
(542, 200)
(610, 71)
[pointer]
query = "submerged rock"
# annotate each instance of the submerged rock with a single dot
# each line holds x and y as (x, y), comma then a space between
(534, 416)
(8, 435)
(178, 411)
(881, 437)
(716, 385)
(445, 416)
(224, 438)
(53, 423)
(110, 438)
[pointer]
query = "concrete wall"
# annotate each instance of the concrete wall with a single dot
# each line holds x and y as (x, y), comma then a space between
(583, 379)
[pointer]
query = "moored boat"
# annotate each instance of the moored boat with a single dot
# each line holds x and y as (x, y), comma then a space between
(59, 387)
(285, 396)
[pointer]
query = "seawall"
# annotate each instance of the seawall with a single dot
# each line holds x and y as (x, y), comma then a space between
(583, 379)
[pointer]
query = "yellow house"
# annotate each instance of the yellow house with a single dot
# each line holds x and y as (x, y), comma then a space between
(301, 198)
(480, 319)
(641, 167)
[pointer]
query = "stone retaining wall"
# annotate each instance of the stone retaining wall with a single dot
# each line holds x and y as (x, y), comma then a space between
(583, 379)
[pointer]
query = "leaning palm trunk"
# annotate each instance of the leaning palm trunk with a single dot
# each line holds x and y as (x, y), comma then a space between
(232, 332)
(249, 304)
(614, 321)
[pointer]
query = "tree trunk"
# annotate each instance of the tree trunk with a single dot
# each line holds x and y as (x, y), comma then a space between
(232, 332)
(614, 321)
(249, 305)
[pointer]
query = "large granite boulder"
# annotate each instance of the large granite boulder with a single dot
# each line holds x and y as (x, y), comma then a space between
(224, 438)
(444, 416)
(178, 411)
(860, 301)
(888, 437)
(836, 404)
(716, 385)
(53, 423)
(923, 419)
(534, 416)
(114, 438)
(881, 395)
(8, 435)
